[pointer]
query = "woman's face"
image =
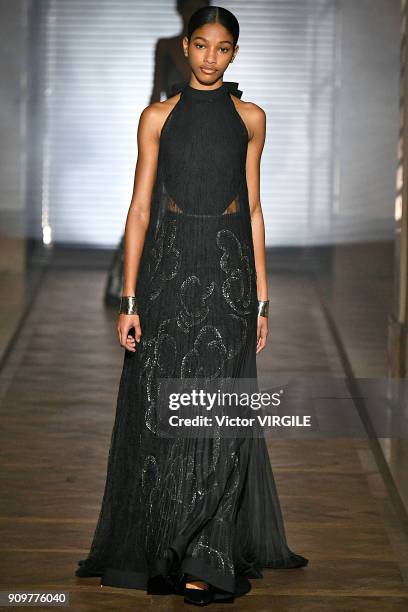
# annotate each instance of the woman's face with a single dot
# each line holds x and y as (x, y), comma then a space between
(210, 51)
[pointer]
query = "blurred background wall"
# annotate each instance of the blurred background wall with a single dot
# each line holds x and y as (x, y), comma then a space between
(366, 119)
(13, 126)
(98, 77)
(329, 88)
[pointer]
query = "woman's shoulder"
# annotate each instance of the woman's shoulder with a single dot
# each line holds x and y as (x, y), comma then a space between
(249, 107)
(252, 114)
(156, 113)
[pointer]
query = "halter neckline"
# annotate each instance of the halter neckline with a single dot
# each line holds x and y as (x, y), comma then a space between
(207, 94)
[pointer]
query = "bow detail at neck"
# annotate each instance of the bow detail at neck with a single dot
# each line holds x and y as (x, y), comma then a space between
(232, 88)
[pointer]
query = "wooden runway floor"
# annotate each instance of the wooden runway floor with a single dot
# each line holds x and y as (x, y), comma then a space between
(58, 392)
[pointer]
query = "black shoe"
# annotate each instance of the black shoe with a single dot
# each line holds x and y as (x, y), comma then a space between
(198, 597)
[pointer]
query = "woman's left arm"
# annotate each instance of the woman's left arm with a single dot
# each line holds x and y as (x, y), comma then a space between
(256, 119)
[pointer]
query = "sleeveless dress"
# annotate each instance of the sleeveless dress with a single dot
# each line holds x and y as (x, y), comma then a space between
(204, 506)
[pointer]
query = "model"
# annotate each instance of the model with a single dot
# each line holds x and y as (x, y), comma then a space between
(197, 516)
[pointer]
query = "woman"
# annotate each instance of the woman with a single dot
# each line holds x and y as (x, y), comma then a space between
(195, 516)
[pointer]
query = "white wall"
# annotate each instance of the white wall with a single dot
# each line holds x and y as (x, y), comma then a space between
(100, 68)
(367, 120)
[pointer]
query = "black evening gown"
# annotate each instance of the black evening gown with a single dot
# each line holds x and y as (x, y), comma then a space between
(203, 506)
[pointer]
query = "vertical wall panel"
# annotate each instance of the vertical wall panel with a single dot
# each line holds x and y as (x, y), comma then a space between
(367, 122)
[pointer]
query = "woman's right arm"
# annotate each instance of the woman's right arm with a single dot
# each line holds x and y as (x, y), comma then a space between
(138, 216)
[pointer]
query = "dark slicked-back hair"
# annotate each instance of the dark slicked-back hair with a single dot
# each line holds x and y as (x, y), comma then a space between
(214, 14)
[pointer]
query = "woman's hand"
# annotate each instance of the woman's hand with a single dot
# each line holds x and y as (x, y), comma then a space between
(125, 322)
(262, 333)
